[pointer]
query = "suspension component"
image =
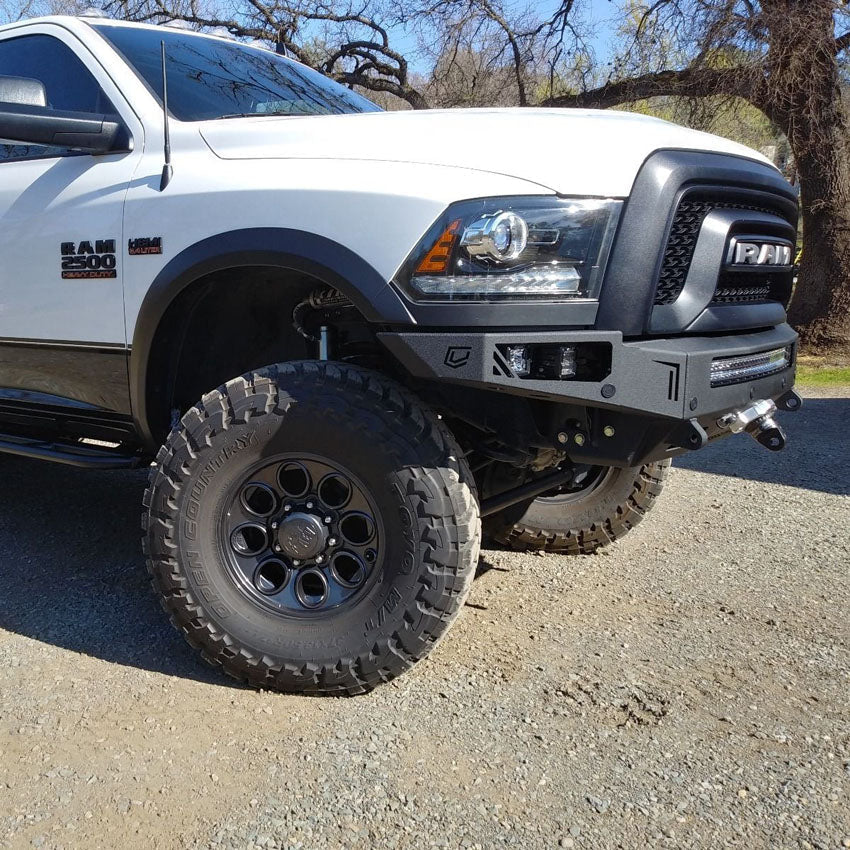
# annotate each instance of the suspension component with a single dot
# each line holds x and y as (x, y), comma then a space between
(526, 491)
(325, 343)
(324, 301)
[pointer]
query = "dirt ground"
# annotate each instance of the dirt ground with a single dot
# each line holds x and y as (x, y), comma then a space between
(689, 687)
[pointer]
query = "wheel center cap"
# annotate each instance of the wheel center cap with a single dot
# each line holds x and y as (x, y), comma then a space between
(302, 536)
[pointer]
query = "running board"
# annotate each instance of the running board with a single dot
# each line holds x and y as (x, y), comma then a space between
(73, 454)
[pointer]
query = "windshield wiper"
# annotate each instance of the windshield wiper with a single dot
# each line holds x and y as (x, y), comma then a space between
(254, 115)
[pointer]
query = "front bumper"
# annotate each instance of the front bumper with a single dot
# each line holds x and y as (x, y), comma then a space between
(668, 378)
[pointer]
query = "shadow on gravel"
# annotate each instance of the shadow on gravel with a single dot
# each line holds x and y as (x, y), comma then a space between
(72, 573)
(817, 456)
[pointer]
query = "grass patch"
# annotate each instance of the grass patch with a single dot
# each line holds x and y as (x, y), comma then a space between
(823, 376)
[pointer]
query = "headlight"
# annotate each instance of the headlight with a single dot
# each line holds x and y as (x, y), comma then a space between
(497, 248)
(501, 237)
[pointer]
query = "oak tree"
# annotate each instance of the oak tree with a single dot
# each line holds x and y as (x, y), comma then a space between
(787, 59)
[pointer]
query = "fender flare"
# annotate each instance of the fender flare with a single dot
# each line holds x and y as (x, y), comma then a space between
(295, 250)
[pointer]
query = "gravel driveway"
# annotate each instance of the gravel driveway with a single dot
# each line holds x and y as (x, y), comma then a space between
(687, 688)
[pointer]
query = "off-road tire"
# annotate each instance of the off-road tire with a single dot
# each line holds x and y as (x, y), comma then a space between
(581, 527)
(399, 448)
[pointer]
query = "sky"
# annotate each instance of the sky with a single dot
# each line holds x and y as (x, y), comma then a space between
(599, 14)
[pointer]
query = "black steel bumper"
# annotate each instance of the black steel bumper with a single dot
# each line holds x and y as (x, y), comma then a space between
(667, 378)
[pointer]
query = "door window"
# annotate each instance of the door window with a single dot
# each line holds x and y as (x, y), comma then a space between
(69, 85)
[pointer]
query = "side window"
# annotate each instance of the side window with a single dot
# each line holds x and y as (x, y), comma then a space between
(68, 83)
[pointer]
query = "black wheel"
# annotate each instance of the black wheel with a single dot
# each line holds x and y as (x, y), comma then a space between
(601, 507)
(311, 527)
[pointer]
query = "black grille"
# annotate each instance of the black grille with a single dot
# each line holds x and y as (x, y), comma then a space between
(679, 251)
(747, 288)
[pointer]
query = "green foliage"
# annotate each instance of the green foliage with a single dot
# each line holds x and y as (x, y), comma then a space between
(820, 376)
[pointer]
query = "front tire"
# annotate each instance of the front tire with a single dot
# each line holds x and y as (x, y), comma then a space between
(311, 527)
(579, 523)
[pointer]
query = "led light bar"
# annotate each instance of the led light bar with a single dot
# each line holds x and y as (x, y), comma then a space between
(564, 280)
(748, 367)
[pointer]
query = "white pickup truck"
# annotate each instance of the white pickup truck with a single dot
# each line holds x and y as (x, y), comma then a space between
(341, 337)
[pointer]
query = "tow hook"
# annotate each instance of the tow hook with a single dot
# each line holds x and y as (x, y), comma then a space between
(757, 420)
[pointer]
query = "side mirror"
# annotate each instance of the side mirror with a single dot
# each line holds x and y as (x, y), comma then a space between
(82, 131)
(22, 90)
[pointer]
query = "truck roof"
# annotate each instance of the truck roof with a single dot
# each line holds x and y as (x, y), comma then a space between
(76, 21)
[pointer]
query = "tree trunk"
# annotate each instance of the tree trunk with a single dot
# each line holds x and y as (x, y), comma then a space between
(805, 97)
(820, 309)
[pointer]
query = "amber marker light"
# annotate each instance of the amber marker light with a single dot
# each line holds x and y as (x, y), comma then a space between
(436, 261)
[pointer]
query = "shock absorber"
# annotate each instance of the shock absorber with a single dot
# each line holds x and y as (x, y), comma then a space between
(318, 306)
(325, 342)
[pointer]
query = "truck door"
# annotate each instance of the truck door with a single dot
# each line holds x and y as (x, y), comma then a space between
(61, 301)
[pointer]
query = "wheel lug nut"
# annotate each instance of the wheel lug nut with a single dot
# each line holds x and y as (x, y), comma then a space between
(287, 507)
(328, 520)
(296, 562)
(277, 547)
(320, 558)
(309, 505)
(274, 526)
(332, 541)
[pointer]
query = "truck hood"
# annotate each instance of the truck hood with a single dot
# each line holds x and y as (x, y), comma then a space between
(570, 151)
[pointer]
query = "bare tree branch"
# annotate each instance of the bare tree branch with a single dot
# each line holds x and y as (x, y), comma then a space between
(513, 41)
(689, 82)
(369, 63)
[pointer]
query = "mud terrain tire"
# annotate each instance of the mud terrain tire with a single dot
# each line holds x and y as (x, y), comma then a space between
(404, 458)
(581, 523)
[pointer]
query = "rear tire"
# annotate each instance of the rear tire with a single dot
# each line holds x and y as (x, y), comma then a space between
(580, 523)
(400, 583)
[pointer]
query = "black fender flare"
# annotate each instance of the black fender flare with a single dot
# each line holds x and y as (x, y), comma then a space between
(296, 250)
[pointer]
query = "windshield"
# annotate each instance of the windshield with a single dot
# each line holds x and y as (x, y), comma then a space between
(213, 78)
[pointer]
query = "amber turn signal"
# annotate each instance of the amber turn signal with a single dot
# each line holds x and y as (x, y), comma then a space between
(436, 261)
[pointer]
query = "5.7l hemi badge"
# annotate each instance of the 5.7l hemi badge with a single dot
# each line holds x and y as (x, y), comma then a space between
(144, 245)
(87, 260)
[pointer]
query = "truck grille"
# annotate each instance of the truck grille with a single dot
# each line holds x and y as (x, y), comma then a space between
(742, 288)
(679, 252)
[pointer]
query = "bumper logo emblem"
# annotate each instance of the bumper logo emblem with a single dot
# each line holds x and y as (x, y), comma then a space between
(457, 356)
